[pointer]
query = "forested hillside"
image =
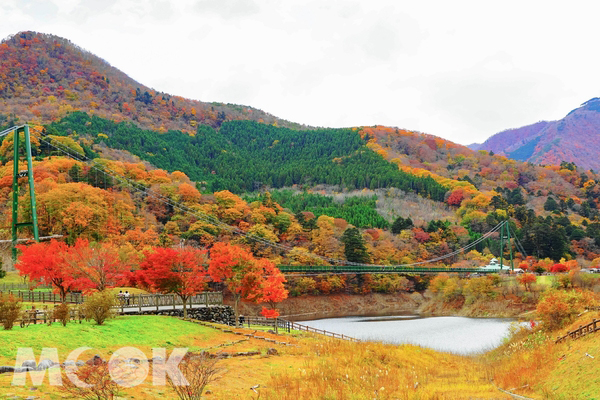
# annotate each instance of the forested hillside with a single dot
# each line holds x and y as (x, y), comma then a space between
(43, 77)
(244, 155)
(359, 211)
(195, 161)
(553, 209)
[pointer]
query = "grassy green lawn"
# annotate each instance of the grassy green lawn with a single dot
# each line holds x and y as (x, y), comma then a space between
(146, 333)
(143, 332)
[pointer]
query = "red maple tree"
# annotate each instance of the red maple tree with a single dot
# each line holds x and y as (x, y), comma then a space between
(557, 268)
(273, 290)
(178, 271)
(456, 197)
(94, 266)
(44, 263)
(246, 278)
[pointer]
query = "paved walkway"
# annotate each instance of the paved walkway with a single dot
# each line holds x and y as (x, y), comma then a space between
(137, 309)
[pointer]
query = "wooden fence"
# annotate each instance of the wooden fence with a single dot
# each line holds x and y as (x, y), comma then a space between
(44, 316)
(47, 297)
(135, 301)
(581, 331)
(289, 326)
(5, 287)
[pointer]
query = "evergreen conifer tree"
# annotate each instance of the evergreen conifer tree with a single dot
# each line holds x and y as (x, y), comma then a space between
(354, 246)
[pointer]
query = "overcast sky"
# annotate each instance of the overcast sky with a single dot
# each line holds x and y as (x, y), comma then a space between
(462, 70)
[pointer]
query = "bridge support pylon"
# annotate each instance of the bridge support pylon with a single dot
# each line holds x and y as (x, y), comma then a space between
(33, 224)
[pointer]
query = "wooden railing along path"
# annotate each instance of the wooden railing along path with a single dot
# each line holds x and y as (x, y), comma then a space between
(582, 331)
(135, 300)
(43, 316)
(47, 297)
(289, 326)
(156, 301)
(5, 287)
(143, 302)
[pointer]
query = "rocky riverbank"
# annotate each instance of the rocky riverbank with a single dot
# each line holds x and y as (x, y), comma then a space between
(340, 305)
(343, 305)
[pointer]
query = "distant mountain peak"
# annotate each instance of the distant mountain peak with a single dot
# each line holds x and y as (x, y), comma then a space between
(574, 138)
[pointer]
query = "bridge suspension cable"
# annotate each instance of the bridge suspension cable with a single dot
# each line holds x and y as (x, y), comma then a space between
(519, 246)
(10, 130)
(98, 167)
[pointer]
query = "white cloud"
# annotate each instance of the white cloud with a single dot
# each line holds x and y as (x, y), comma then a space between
(227, 9)
(462, 70)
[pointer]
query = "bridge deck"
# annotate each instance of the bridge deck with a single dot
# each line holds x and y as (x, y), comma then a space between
(341, 269)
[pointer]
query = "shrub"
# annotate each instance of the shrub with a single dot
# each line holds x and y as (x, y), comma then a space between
(584, 280)
(10, 310)
(557, 268)
(338, 283)
(198, 371)
(437, 284)
(98, 383)
(558, 307)
(62, 313)
(478, 288)
(448, 287)
(494, 279)
(390, 283)
(324, 286)
(564, 281)
(306, 285)
(363, 284)
(452, 290)
(539, 269)
(99, 306)
(526, 280)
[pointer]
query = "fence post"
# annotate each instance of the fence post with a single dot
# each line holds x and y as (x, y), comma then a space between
(206, 299)
(140, 299)
(156, 301)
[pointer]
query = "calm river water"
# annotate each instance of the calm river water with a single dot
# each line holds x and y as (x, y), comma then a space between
(453, 334)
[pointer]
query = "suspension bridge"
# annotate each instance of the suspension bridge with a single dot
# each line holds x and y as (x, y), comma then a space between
(330, 266)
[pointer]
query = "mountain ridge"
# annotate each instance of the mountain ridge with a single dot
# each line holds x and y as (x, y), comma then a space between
(572, 139)
(44, 77)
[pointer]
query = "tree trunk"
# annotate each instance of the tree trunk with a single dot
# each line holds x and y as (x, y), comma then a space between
(184, 300)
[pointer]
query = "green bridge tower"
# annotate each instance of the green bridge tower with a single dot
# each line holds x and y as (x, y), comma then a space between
(16, 225)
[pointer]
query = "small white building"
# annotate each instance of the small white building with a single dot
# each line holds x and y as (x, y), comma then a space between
(495, 265)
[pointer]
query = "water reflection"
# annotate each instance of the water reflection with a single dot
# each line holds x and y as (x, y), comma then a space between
(453, 334)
